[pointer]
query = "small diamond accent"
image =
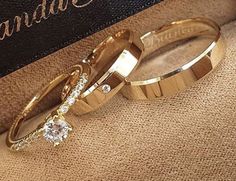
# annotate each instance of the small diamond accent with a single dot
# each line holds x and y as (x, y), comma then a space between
(79, 86)
(75, 94)
(56, 130)
(71, 100)
(63, 109)
(81, 83)
(106, 88)
(83, 79)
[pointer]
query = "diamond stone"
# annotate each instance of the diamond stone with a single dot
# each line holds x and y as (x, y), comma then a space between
(79, 87)
(75, 94)
(106, 88)
(71, 100)
(56, 130)
(63, 108)
(83, 79)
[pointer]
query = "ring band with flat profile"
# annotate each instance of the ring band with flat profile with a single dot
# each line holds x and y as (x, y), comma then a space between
(55, 128)
(112, 61)
(184, 75)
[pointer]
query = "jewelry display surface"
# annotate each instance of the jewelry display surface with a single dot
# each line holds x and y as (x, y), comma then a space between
(194, 139)
(21, 85)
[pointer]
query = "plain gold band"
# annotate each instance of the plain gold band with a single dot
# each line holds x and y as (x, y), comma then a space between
(185, 75)
(113, 60)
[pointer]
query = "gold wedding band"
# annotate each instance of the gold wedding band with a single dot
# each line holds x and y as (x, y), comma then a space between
(91, 83)
(106, 71)
(55, 128)
(184, 75)
(112, 61)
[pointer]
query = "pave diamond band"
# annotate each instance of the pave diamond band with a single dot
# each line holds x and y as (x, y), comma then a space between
(75, 93)
(30, 138)
(55, 129)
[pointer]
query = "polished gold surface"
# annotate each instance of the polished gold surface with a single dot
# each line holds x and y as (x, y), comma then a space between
(89, 85)
(82, 70)
(112, 61)
(105, 72)
(185, 75)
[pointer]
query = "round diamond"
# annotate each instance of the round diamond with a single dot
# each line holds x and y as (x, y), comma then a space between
(63, 109)
(106, 88)
(71, 100)
(79, 86)
(83, 80)
(56, 130)
(75, 94)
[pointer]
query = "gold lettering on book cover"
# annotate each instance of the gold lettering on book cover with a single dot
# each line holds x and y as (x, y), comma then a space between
(42, 12)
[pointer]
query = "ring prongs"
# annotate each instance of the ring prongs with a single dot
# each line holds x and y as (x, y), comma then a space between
(56, 129)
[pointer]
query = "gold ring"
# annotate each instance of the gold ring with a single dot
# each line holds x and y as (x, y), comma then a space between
(112, 61)
(55, 128)
(185, 75)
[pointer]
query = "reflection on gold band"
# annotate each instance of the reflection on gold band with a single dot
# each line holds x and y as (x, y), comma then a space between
(184, 75)
(106, 71)
(112, 61)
